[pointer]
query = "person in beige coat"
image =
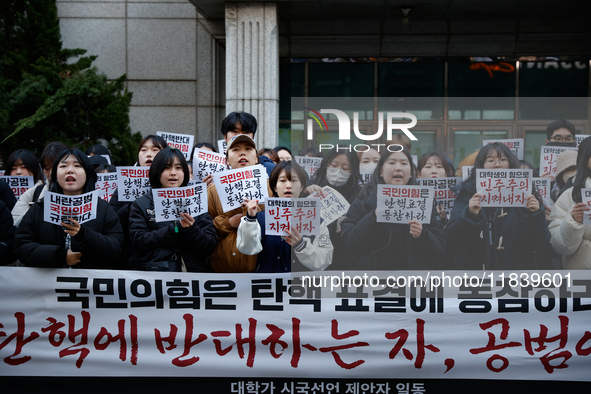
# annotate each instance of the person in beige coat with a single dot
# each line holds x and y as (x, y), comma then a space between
(570, 237)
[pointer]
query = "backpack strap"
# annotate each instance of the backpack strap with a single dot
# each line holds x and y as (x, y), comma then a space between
(37, 192)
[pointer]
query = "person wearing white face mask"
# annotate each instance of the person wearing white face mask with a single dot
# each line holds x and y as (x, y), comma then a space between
(368, 162)
(339, 169)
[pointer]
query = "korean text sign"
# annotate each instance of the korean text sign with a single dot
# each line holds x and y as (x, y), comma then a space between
(504, 187)
(301, 214)
(333, 205)
(106, 184)
(125, 323)
(170, 202)
(515, 144)
(444, 197)
(206, 163)
(58, 208)
(548, 157)
(18, 184)
(401, 203)
(233, 186)
(132, 182)
(182, 142)
(309, 164)
(543, 185)
(586, 199)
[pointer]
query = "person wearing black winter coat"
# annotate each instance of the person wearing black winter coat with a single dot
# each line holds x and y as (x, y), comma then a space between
(94, 244)
(7, 231)
(165, 246)
(390, 246)
(513, 238)
(147, 151)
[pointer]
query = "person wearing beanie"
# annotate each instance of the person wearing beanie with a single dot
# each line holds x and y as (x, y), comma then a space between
(566, 168)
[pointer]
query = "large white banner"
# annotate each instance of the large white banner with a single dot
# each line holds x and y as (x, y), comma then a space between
(74, 322)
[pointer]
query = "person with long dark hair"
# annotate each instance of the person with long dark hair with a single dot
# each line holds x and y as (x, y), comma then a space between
(48, 157)
(181, 245)
(372, 245)
(510, 238)
(93, 244)
(149, 147)
(22, 162)
(570, 237)
(274, 252)
(338, 169)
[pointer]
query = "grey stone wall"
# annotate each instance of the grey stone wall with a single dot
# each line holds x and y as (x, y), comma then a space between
(168, 52)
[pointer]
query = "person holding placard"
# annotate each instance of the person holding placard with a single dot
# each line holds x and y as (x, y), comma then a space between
(23, 162)
(237, 123)
(274, 252)
(435, 165)
(94, 244)
(372, 245)
(571, 236)
(505, 238)
(180, 245)
(147, 151)
(48, 157)
(338, 169)
(240, 153)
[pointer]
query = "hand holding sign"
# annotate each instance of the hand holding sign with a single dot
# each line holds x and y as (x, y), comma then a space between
(578, 212)
(474, 204)
(416, 228)
(251, 206)
(532, 203)
(71, 228)
(294, 237)
(187, 220)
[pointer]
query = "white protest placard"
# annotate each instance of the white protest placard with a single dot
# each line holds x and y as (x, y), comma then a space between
(301, 214)
(466, 171)
(58, 208)
(586, 199)
(170, 202)
(548, 156)
(309, 164)
(132, 182)
(544, 188)
(106, 183)
(18, 184)
(2, 172)
(222, 145)
(182, 142)
(504, 187)
(443, 195)
(580, 137)
(515, 144)
(401, 203)
(365, 177)
(233, 186)
(206, 162)
(333, 206)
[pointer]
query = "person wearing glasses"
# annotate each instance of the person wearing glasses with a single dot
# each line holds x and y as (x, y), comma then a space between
(561, 132)
(497, 238)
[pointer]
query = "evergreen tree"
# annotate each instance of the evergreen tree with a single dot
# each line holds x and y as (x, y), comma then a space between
(45, 98)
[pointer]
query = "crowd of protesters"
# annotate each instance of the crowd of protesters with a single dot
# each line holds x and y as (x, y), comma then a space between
(125, 235)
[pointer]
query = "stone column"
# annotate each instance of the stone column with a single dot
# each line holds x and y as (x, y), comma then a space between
(252, 66)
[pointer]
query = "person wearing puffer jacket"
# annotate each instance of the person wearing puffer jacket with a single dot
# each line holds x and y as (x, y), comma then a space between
(570, 237)
(376, 246)
(507, 238)
(310, 253)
